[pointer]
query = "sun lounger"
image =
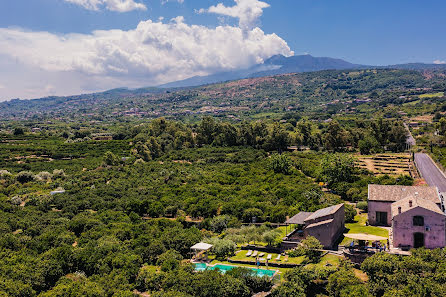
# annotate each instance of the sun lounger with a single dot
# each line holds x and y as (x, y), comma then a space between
(269, 257)
(249, 253)
(278, 257)
(261, 254)
(255, 254)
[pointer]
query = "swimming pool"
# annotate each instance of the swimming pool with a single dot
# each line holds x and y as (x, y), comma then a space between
(223, 268)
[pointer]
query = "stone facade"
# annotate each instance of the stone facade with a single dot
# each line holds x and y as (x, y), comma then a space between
(326, 224)
(432, 232)
(415, 214)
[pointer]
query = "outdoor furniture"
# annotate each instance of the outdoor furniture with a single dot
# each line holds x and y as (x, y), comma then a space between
(249, 253)
(278, 257)
(269, 257)
(285, 259)
(261, 254)
(255, 254)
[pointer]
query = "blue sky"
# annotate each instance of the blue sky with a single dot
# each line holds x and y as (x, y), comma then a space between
(54, 47)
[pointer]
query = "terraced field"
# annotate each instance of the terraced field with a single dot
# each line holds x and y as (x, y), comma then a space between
(391, 164)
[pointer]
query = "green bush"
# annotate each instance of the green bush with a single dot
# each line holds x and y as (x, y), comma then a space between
(362, 205)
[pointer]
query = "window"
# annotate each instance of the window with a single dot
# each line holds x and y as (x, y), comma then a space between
(418, 221)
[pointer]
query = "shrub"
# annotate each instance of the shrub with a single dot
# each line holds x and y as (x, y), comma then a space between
(16, 200)
(350, 213)
(43, 176)
(362, 205)
(281, 164)
(5, 175)
(248, 276)
(110, 159)
(312, 249)
(59, 173)
(24, 177)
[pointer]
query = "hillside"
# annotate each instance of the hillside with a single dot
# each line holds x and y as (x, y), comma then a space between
(312, 93)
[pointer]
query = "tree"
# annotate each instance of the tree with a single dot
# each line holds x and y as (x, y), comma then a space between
(18, 131)
(206, 130)
(305, 129)
(350, 213)
(335, 137)
(249, 277)
(398, 137)
(296, 283)
(342, 281)
(169, 260)
(278, 139)
(250, 213)
(110, 159)
(281, 164)
(338, 168)
(271, 236)
(223, 248)
(368, 145)
(219, 223)
(311, 247)
(24, 177)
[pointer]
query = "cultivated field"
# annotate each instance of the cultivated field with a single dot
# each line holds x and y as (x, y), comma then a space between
(391, 164)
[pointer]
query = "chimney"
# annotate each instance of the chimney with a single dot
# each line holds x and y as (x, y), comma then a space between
(399, 210)
(410, 203)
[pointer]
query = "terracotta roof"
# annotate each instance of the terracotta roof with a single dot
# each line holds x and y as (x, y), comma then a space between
(416, 202)
(326, 222)
(299, 218)
(324, 212)
(396, 193)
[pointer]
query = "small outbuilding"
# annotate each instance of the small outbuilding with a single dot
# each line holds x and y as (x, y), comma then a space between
(326, 224)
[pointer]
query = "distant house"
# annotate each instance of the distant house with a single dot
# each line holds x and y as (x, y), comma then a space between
(416, 215)
(326, 224)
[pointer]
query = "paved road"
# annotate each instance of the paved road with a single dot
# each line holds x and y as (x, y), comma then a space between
(430, 172)
(410, 140)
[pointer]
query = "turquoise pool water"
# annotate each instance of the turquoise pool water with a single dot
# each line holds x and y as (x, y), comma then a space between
(224, 268)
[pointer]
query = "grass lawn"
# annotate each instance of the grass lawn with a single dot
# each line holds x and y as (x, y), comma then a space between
(241, 255)
(360, 227)
(327, 259)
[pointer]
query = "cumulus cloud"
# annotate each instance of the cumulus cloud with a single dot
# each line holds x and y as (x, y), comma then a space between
(247, 11)
(113, 5)
(439, 62)
(152, 53)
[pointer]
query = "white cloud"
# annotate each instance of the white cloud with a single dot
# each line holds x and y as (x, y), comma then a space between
(247, 11)
(439, 62)
(165, 1)
(113, 5)
(153, 53)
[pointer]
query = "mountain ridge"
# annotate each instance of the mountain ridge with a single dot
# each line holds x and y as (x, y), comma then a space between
(279, 64)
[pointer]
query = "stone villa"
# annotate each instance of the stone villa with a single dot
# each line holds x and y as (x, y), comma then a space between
(416, 215)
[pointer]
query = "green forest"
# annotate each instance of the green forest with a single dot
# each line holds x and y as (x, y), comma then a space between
(101, 204)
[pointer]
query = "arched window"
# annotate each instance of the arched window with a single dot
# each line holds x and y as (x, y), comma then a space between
(418, 221)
